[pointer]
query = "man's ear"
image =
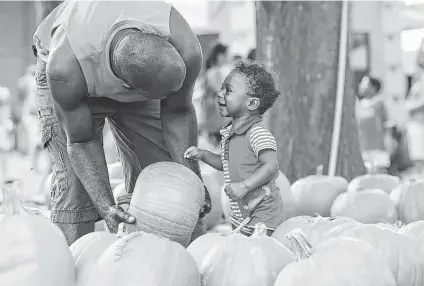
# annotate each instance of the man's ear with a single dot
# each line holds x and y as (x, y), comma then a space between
(253, 103)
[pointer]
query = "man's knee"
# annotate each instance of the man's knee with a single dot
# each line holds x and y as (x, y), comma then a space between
(74, 231)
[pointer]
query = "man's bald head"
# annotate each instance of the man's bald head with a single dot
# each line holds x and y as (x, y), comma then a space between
(148, 62)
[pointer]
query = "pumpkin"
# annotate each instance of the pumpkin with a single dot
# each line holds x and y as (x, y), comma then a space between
(312, 227)
(383, 182)
(203, 244)
(399, 251)
(369, 206)
(409, 200)
(116, 174)
(33, 250)
(415, 230)
(334, 262)
(315, 194)
(141, 258)
(87, 250)
(166, 201)
(285, 192)
(240, 260)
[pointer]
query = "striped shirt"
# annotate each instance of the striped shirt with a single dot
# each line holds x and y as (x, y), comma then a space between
(260, 139)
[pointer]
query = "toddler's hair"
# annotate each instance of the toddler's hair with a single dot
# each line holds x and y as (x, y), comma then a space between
(261, 83)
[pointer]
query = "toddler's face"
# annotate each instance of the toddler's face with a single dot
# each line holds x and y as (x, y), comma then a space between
(233, 98)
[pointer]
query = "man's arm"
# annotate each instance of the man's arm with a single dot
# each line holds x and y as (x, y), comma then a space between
(69, 90)
(178, 115)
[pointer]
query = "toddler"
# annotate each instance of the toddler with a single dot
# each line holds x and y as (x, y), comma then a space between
(248, 156)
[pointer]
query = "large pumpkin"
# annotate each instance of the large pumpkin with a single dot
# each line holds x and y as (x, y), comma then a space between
(383, 182)
(285, 192)
(369, 206)
(312, 227)
(415, 230)
(315, 194)
(87, 250)
(33, 251)
(244, 261)
(335, 262)
(145, 259)
(166, 201)
(409, 200)
(399, 251)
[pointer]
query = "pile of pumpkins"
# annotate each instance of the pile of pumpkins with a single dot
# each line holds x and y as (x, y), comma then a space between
(308, 250)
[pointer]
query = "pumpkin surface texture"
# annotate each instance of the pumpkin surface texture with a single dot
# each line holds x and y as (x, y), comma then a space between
(315, 194)
(409, 200)
(382, 182)
(369, 206)
(87, 250)
(141, 258)
(244, 261)
(166, 201)
(34, 252)
(312, 227)
(335, 262)
(399, 251)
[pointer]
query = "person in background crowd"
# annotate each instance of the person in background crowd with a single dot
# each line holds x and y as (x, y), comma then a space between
(29, 116)
(237, 58)
(251, 55)
(217, 67)
(132, 63)
(371, 114)
(6, 129)
(26, 89)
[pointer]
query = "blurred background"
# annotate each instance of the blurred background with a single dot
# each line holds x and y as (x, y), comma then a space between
(386, 44)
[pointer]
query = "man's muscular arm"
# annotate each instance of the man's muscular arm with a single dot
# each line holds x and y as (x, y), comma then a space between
(178, 115)
(69, 90)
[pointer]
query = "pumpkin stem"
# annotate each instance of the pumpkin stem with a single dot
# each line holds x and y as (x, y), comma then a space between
(320, 170)
(260, 229)
(242, 224)
(11, 201)
(300, 245)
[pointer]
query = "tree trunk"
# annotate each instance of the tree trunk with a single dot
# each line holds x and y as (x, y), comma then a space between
(44, 8)
(300, 42)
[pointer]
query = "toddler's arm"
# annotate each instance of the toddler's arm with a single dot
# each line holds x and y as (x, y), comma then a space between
(213, 160)
(265, 147)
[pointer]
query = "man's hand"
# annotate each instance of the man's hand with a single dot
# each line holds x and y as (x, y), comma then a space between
(114, 216)
(236, 190)
(207, 204)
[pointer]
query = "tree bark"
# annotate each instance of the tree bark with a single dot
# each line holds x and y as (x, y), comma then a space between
(300, 42)
(44, 8)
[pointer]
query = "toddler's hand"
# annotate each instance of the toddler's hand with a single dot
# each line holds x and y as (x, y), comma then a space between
(236, 190)
(193, 153)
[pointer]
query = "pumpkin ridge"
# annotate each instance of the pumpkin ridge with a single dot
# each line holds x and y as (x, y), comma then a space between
(160, 165)
(155, 217)
(174, 205)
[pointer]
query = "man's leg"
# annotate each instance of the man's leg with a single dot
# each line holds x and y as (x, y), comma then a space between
(71, 208)
(137, 130)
